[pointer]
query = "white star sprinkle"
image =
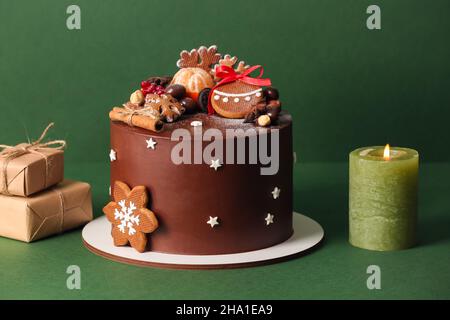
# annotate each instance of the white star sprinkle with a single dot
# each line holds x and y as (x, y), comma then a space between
(276, 193)
(215, 164)
(269, 219)
(196, 123)
(213, 221)
(112, 155)
(151, 143)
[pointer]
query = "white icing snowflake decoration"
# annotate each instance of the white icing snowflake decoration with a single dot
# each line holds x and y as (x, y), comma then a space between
(126, 217)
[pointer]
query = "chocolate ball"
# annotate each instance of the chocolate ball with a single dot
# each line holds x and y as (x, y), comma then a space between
(273, 109)
(203, 97)
(271, 93)
(273, 114)
(176, 90)
(189, 104)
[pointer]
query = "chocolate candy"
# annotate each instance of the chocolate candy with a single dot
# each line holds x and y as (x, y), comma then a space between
(189, 104)
(203, 99)
(273, 114)
(177, 91)
(273, 109)
(271, 93)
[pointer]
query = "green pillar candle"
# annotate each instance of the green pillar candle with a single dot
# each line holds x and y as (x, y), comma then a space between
(383, 198)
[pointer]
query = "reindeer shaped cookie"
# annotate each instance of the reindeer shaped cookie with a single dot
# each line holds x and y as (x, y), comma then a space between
(195, 70)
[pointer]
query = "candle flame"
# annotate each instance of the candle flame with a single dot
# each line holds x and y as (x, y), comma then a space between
(387, 152)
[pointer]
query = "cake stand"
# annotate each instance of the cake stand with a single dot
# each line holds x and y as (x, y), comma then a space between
(308, 235)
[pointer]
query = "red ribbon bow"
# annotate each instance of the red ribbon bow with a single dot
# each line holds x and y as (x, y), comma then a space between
(227, 74)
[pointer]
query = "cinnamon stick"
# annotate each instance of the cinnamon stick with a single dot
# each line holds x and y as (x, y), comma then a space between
(139, 118)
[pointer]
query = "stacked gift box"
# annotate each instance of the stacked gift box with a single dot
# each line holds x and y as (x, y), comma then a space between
(35, 200)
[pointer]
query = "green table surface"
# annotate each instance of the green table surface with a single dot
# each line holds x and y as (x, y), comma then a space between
(335, 271)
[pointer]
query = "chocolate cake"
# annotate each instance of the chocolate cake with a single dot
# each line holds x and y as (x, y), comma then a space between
(213, 185)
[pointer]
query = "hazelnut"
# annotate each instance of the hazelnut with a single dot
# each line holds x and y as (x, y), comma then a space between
(137, 97)
(264, 120)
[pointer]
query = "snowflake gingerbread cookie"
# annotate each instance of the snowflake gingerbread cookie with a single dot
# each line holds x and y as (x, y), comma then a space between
(131, 220)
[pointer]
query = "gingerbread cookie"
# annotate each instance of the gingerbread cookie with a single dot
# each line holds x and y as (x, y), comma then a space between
(236, 91)
(167, 106)
(131, 220)
(195, 68)
(235, 99)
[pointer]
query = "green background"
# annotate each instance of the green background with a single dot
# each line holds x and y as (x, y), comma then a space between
(346, 87)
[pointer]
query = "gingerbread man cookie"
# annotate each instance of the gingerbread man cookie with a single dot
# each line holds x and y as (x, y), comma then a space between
(131, 220)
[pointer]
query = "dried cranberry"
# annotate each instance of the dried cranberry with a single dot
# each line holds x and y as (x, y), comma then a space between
(145, 84)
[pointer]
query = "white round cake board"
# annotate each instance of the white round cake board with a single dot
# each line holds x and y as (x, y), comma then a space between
(307, 234)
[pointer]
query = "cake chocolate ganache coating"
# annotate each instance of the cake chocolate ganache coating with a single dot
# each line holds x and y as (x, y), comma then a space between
(208, 152)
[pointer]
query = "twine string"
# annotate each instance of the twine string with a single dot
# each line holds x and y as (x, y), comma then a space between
(130, 113)
(62, 206)
(63, 209)
(9, 153)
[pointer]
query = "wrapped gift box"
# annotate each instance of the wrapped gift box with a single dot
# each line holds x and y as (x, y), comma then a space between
(32, 172)
(63, 207)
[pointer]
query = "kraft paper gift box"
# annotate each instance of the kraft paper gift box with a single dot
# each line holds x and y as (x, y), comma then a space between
(31, 172)
(63, 207)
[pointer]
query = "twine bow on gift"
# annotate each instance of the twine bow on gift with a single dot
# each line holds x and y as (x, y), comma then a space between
(228, 75)
(130, 113)
(9, 153)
